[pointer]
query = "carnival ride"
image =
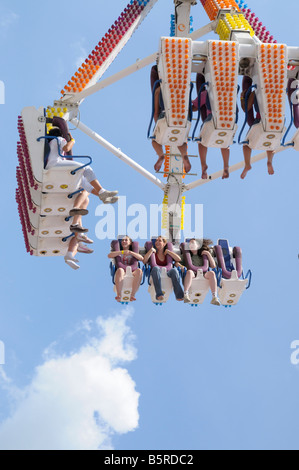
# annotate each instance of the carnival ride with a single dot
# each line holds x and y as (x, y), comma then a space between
(245, 48)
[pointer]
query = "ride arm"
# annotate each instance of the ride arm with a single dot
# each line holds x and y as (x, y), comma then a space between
(210, 259)
(173, 255)
(114, 254)
(137, 256)
(148, 255)
(250, 101)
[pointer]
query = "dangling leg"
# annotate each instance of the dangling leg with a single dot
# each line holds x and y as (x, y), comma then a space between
(107, 197)
(225, 156)
(210, 276)
(184, 152)
(136, 283)
(203, 151)
(187, 284)
(71, 253)
(178, 291)
(270, 163)
(80, 207)
(159, 151)
(119, 277)
(156, 276)
(247, 158)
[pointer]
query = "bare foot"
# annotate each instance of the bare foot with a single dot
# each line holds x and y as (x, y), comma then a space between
(245, 171)
(159, 163)
(180, 300)
(270, 168)
(204, 172)
(161, 298)
(118, 298)
(187, 164)
(225, 173)
(132, 299)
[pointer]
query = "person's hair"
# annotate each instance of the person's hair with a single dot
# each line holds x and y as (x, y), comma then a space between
(55, 132)
(164, 241)
(206, 245)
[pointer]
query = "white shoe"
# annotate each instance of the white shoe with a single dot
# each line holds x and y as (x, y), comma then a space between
(107, 194)
(83, 238)
(71, 258)
(71, 262)
(84, 249)
(187, 299)
(216, 301)
(111, 200)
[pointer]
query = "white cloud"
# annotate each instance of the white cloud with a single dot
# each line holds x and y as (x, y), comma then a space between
(7, 19)
(80, 400)
(80, 52)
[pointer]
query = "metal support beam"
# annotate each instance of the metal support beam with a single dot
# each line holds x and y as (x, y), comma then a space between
(236, 167)
(138, 65)
(118, 153)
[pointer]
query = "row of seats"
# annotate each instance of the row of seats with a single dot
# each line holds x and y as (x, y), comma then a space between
(44, 197)
(225, 60)
(230, 276)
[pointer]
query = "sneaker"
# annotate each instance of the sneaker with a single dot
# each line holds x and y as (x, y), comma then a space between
(107, 194)
(72, 264)
(76, 211)
(187, 299)
(78, 229)
(66, 258)
(84, 249)
(216, 301)
(84, 238)
(111, 200)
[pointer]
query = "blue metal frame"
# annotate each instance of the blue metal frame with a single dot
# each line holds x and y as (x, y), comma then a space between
(65, 239)
(246, 115)
(49, 137)
(71, 195)
(218, 272)
(190, 112)
(289, 128)
(112, 272)
(249, 277)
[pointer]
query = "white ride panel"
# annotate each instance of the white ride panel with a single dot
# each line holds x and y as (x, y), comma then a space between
(199, 289)
(127, 287)
(166, 288)
(221, 74)
(174, 67)
(49, 195)
(231, 290)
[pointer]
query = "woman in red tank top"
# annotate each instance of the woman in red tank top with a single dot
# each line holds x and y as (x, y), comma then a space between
(161, 261)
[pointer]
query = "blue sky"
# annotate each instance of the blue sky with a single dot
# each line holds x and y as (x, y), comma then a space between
(83, 372)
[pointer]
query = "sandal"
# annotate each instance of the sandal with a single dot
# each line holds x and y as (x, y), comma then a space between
(75, 211)
(78, 229)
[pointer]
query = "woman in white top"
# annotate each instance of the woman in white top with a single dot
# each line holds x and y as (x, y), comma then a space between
(58, 148)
